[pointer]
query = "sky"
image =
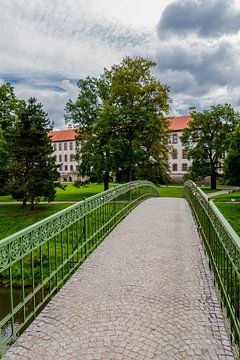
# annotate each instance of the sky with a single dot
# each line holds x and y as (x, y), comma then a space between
(47, 45)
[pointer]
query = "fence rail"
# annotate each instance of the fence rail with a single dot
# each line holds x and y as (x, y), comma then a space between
(37, 261)
(223, 248)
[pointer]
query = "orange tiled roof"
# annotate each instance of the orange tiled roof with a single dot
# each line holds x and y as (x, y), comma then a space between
(63, 135)
(179, 122)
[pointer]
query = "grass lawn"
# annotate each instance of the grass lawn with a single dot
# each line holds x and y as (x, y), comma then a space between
(170, 191)
(232, 214)
(71, 193)
(15, 217)
(227, 197)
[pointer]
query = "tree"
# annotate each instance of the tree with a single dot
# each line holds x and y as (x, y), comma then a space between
(93, 136)
(121, 122)
(8, 108)
(32, 172)
(207, 140)
(232, 162)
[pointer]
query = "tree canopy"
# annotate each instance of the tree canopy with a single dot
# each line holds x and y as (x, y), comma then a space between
(8, 115)
(120, 117)
(207, 140)
(232, 162)
(32, 171)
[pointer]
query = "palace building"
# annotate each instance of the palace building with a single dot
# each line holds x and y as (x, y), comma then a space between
(178, 161)
(65, 146)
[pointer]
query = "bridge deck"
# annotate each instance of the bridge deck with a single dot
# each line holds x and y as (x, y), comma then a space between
(145, 293)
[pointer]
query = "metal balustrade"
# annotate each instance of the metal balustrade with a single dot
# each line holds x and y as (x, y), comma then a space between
(222, 245)
(36, 261)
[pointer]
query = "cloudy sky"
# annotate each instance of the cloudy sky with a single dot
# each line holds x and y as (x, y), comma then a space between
(47, 45)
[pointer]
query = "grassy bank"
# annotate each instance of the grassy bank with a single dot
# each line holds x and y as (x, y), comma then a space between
(170, 191)
(16, 217)
(232, 214)
(71, 193)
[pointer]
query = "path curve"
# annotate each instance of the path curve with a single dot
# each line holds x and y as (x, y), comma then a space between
(145, 293)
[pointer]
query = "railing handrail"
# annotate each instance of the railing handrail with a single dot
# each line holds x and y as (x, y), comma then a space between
(118, 188)
(222, 245)
(218, 213)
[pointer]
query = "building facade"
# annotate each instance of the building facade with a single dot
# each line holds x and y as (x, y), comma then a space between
(178, 161)
(65, 147)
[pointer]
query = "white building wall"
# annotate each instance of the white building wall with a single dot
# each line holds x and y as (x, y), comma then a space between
(177, 165)
(64, 151)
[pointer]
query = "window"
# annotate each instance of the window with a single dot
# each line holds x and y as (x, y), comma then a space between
(71, 167)
(65, 158)
(66, 168)
(174, 139)
(72, 157)
(54, 147)
(60, 167)
(174, 167)
(184, 167)
(70, 146)
(175, 154)
(184, 153)
(60, 146)
(60, 158)
(65, 146)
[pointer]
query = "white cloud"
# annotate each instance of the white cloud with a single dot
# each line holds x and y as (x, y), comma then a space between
(45, 45)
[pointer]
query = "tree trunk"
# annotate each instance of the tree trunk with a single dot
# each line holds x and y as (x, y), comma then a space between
(24, 202)
(213, 181)
(32, 204)
(130, 174)
(106, 180)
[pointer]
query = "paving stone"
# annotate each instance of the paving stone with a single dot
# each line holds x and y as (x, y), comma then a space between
(145, 293)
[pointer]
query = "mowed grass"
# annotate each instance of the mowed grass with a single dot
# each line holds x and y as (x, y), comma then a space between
(71, 193)
(16, 217)
(170, 191)
(232, 214)
(228, 197)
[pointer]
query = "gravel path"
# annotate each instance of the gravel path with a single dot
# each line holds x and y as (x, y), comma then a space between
(145, 293)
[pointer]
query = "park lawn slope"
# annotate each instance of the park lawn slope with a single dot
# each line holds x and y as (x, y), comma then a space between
(71, 193)
(170, 191)
(232, 214)
(16, 217)
(228, 197)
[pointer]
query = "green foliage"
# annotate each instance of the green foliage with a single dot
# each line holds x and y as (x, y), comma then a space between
(121, 125)
(232, 162)
(207, 139)
(32, 171)
(8, 108)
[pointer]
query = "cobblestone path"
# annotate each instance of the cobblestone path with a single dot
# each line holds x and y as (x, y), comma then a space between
(145, 293)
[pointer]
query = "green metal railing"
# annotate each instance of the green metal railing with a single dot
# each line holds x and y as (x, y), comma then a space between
(223, 248)
(37, 261)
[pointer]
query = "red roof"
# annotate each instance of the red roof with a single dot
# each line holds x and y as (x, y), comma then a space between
(179, 122)
(63, 135)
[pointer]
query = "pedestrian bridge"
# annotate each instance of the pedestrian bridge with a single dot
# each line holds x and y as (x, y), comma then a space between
(146, 292)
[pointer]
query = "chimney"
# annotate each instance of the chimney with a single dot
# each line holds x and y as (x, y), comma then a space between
(192, 109)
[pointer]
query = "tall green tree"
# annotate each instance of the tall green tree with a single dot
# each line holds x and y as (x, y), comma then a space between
(232, 162)
(86, 113)
(140, 126)
(33, 171)
(120, 117)
(207, 140)
(8, 115)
